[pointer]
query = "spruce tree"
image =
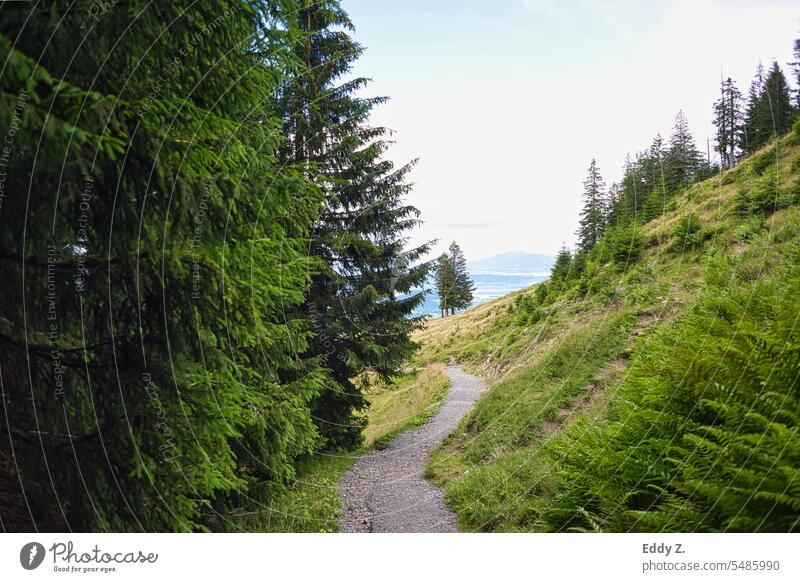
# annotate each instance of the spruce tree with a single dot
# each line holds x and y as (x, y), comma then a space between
(653, 165)
(777, 113)
(593, 215)
(729, 121)
(752, 138)
(796, 68)
(682, 159)
(150, 377)
(652, 169)
(463, 285)
(629, 198)
(363, 290)
(560, 272)
(613, 200)
(445, 283)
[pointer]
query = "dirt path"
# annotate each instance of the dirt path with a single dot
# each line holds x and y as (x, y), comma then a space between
(385, 491)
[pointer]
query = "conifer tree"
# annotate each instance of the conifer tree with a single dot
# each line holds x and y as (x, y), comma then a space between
(751, 139)
(612, 202)
(445, 283)
(778, 103)
(464, 287)
(363, 294)
(682, 158)
(652, 169)
(593, 215)
(796, 68)
(653, 163)
(769, 108)
(155, 383)
(729, 121)
(560, 272)
(629, 198)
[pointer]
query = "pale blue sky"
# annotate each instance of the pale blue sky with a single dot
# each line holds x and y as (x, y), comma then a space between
(505, 102)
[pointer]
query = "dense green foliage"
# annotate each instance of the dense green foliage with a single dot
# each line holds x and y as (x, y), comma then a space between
(769, 112)
(362, 297)
(161, 362)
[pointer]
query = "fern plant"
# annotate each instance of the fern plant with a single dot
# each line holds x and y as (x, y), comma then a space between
(703, 433)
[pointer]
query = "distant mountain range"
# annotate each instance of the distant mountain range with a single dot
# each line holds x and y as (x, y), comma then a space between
(495, 277)
(515, 262)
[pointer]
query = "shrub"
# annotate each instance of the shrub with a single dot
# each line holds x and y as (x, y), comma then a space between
(542, 291)
(527, 310)
(749, 228)
(624, 244)
(763, 196)
(688, 232)
(763, 161)
(795, 135)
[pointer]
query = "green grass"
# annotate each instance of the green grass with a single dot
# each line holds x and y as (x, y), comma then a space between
(310, 505)
(408, 401)
(483, 466)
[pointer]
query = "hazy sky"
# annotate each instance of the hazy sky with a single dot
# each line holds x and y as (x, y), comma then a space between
(505, 102)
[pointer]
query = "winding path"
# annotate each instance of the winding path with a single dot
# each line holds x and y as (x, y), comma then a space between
(385, 490)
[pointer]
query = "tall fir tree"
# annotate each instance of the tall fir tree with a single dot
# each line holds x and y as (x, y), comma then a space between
(653, 163)
(777, 112)
(445, 283)
(729, 123)
(560, 272)
(155, 385)
(796, 68)
(464, 287)
(612, 201)
(629, 198)
(593, 215)
(752, 139)
(652, 170)
(682, 158)
(362, 294)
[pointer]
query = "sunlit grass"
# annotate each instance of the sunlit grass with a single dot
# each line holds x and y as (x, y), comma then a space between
(408, 401)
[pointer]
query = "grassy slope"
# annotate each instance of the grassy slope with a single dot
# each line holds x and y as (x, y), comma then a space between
(407, 402)
(312, 503)
(547, 375)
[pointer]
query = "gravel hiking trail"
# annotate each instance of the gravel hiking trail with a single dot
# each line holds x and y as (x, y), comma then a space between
(385, 490)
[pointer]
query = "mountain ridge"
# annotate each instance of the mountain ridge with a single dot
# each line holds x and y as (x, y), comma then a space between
(513, 262)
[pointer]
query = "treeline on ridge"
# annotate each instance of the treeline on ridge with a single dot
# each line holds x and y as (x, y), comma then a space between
(611, 218)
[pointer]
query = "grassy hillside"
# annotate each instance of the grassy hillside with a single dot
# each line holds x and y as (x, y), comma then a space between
(658, 390)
